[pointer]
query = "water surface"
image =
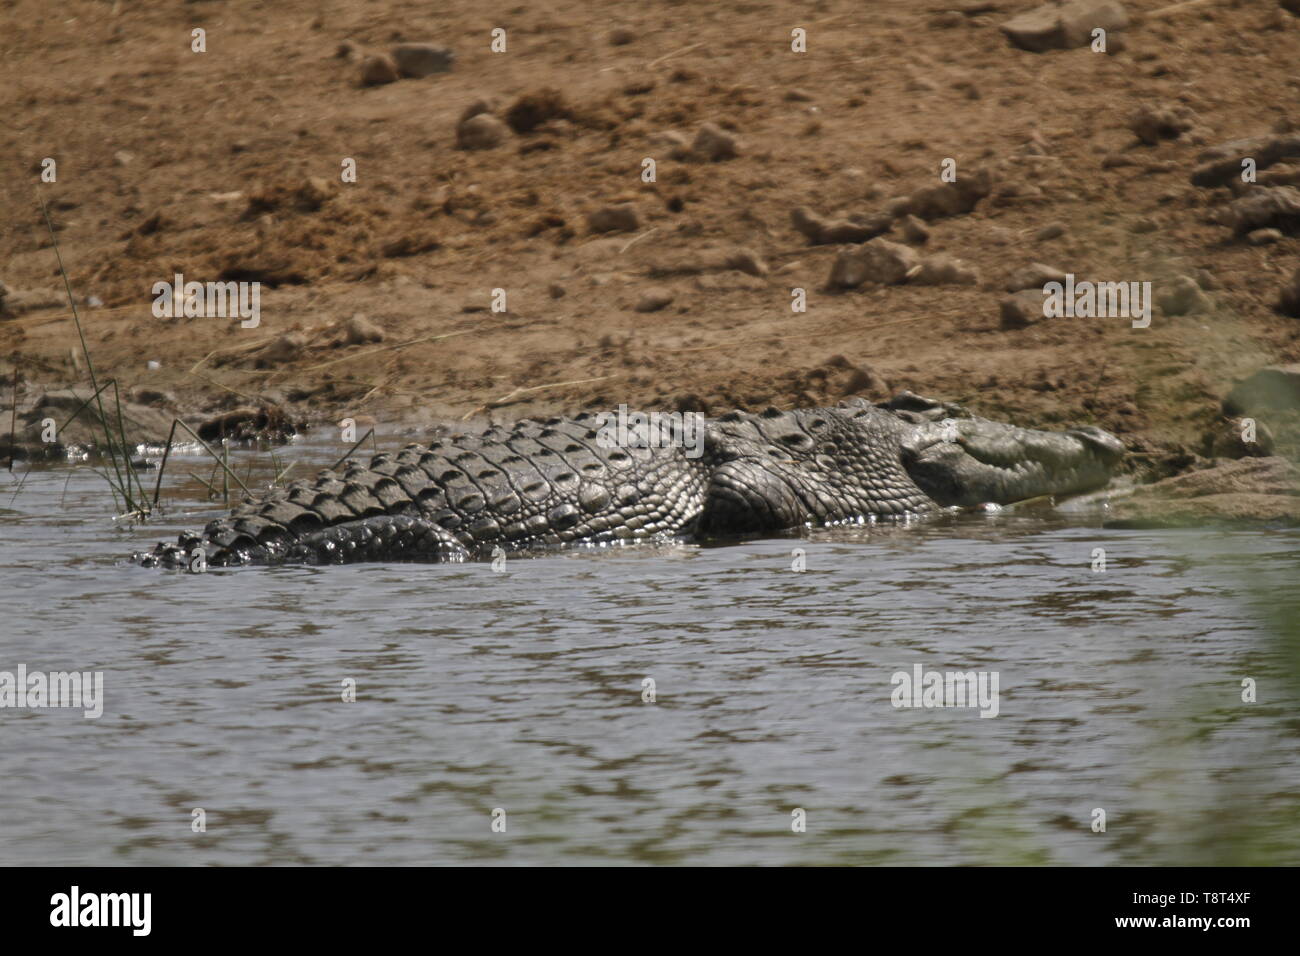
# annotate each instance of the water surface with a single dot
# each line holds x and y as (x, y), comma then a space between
(523, 690)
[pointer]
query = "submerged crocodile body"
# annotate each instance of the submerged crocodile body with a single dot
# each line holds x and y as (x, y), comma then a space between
(561, 481)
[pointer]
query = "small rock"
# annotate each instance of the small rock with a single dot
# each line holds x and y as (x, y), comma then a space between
(945, 199)
(797, 96)
(1264, 237)
(914, 230)
(1240, 492)
(1221, 164)
(652, 300)
(1265, 207)
(123, 158)
(480, 105)
(1183, 297)
(1034, 276)
(945, 270)
(1144, 226)
(747, 261)
(377, 69)
(1228, 440)
(481, 131)
(621, 36)
(825, 232)
(422, 59)
(1021, 310)
(556, 291)
(358, 330)
(1064, 26)
(1271, 387)
(878, 260)
(1151, 124)
(533, 109)
(713, 144)
(1051, 231)
(618, 218)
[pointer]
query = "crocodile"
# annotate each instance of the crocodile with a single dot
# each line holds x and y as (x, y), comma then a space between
(543, 484)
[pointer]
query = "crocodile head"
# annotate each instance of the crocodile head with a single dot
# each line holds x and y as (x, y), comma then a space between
(972, 461)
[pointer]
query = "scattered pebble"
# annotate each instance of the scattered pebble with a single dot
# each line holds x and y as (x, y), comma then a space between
(422, 59)
(377, 69)
(652, 300)
(745, 260)
(1221, 164)
(877, 260)
(1151, 124)
(1226, 440)
(943, 200)
(713, 144)
(1034, 276)
(1021, 310)
(618, 218)
(358, 330)
(481, 131)
(1183, 297)
(1265, 207)
(1267, 388)
(944, 270)
(1064, 26)
(533, 109)
(914, 230)
(824, 232)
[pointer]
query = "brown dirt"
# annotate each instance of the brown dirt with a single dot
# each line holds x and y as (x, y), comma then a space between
(227, 163)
